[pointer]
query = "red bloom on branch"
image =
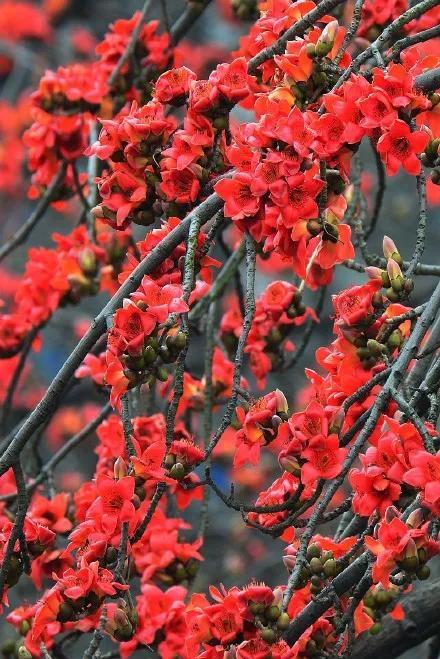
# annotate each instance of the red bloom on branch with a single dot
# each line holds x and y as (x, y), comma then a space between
(232, 80)
(114, 504)
(172, 86)
(354, 305)
(425, 475)
(323, 457)
(240, 200)
(399, 147)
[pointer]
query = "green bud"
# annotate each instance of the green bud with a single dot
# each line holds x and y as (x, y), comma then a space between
(180, 573)
(268, 635)
(65, 612)
(180, 340)
(410, 563)
(323, 49)
(149, 355)
(316, 566)
(162, 374)
(376, 628)
(313, 551)
(24, 627)
(395, 339)
(330, 568)
(272, 613)
(423, 573)
(178, 471)
(283, 621)
(123, 633)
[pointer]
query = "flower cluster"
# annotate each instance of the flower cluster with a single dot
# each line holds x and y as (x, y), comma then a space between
(113, 553)
(277, 311)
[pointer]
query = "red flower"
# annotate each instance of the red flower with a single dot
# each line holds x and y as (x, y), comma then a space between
(203, 95)
(354, 305)
(373, 491)
(160, 300)
(47, 612)
(114, 504)
(240, 200)
(377, 110)
(399, 146)
(258, 427)
(181, 186)
(232, 80)
(324, 459)
(425, 474)
(172, 86)
(131, 326)
(296, 197)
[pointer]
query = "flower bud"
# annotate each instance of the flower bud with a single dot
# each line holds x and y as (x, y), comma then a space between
(97, 212)
(65, 612)
(120, 468)
(330, 568)
(327, 39)
(390, 513)
(87, 261)
(289, 562)
(283, 621)
(162, 374)
(313, 551)
(144, 218)
(373, 273)
(395, 274)
(178, 471)
(422, 555)
(375, 348)
(435, 176)
(316, 566)
(376, 628)
(24, 627)
(415, 518)
(423, 573)
(268, 635)
(310, 50)
(272, 613)
(180, 340)
(149, 355)
(395, 340)
(282, 405)
(337, 421)
(390, 250)
(290, 464)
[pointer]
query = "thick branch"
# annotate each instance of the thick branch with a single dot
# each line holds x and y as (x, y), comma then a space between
(428, 81)
(420, 623)
(45, 407)
(315, 609)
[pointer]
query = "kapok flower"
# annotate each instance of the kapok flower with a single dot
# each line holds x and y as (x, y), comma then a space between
(323, 458)
(114, 504)
(425, 475)
(353, 306)
(260, 425)
(232, 80)
(240, 199)
(399, 147)
(373, 490)
(173, 85)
